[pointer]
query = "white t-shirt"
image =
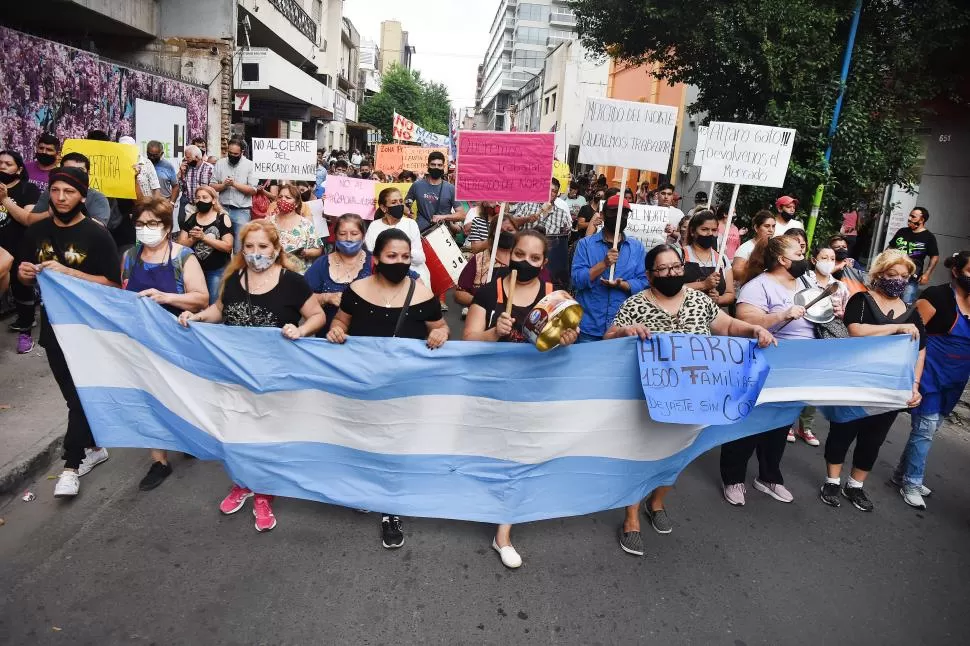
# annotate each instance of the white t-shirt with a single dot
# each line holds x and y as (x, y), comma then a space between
(410, 227)
(744, 251)
(471, 215)
(781, 228)
(674, 216)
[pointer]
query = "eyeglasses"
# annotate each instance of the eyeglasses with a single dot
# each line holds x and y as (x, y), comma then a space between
(668, 270)
(151, 224)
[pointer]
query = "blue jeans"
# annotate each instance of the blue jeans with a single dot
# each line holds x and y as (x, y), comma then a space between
(240, 218)
(213, 279)
(912, 463)
(912, 291)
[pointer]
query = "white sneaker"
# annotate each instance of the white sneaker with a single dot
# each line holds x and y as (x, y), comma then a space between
(911, 496)
(93, 458)
(67, 485)
(510, 558)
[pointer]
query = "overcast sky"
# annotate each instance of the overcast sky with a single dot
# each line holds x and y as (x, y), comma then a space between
(450, 37)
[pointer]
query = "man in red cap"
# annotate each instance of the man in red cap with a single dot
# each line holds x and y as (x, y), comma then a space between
(784, 219)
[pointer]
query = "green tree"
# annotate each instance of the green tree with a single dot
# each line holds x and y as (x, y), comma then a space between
(778, 62)
(404, 91)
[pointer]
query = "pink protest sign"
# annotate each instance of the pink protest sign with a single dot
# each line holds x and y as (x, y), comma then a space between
(504, 166)
(349, 195)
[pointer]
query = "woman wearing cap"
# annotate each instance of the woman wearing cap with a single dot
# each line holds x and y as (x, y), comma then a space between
(260, 291)
(167, 273)
(488, 321)
(880, 312)
(705, 269)
(767, 300)
(207, 229)
(946, 311)
(669, 306)
(763, 224)
(297, 233)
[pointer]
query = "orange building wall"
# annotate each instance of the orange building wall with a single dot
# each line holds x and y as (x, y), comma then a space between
(636, 83)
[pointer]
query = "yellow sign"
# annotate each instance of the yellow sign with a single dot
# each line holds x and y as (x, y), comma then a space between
(560, 170)
(111, 164)
(394, 158)
(401, 186)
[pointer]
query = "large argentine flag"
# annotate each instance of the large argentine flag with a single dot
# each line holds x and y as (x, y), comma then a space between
(475, 431)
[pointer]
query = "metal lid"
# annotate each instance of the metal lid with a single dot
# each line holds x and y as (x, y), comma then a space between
(822, 311)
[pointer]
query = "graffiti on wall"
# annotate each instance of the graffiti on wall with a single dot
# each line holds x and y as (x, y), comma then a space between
(49, 87)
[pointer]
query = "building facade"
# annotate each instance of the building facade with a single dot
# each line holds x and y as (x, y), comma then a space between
(395, 48)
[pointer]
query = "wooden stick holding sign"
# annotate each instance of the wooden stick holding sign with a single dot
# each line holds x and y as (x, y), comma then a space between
(619, 219)
(512, 278)
(498, 233)
(710, 195)
(727, 226)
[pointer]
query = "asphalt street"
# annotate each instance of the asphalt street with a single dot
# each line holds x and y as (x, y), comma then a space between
(119, 566)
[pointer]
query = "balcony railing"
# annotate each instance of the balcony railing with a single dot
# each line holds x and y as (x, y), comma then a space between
(562, 18)
(299, 18)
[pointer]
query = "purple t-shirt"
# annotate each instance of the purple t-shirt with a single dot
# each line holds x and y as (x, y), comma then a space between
(770, 296)
(38, 176)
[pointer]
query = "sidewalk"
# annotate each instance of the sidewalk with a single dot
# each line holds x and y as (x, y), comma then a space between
(32, 428)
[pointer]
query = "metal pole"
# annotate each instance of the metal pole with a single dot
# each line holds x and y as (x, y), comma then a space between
(834, 125)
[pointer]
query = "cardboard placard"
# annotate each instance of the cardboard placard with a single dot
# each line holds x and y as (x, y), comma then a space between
(394, 158)
(349, 195)
(628, 134)
(285, 158)
(747, 154)
(504, 166)
(111, 165)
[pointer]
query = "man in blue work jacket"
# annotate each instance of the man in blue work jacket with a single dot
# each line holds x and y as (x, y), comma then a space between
(599, 296)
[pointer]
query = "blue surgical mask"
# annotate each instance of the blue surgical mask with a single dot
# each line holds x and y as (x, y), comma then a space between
(349, 247)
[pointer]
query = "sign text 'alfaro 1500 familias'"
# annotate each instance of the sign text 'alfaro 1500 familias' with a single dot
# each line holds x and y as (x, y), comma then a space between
(285, 158)
(628, 134)
(505, 166)
(747, 154)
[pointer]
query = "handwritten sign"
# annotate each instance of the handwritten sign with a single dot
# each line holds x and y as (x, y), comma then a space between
(560, 170)
(111, 165)
(701, 145)
(693, 379)
(403, 129)
(504, 166)
(744, 153)
(285, 158)
(628, 134)
(394, 158)
(647, 223)
(349, 195)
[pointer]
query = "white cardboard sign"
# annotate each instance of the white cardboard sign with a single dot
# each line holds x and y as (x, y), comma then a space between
(747, 154)
(285, 158)
(628, 134)
(647, 224)
(701, 145)
(163, 123)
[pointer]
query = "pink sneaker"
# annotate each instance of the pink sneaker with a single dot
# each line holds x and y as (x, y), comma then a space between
(235, 500)
(265, 520)
(775, 490)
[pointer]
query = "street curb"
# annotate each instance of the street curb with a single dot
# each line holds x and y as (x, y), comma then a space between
(34, 460)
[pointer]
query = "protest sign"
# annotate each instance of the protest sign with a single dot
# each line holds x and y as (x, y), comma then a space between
(285, 158)
(162, 123)
(406, 130)
(628, 134)
(560, 170)
(693, 379)
(504, 166)
(647, 223)
(349, 195)
(394, 158)
(111, 165)
(400, 186)
(749, 154)
(701, 145)
(319, 219)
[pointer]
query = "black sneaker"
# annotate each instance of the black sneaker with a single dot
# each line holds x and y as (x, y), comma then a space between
(830, 494)
(21, 326)
(857, 497)
(391, 535)
(631, 542)
(155, 476)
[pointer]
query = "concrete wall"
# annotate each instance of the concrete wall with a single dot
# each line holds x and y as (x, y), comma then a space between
(197, 19)
(140, 14)
(391, 44)
(573, 78)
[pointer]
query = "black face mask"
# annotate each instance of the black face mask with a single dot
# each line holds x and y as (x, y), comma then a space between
(203, 207)
(393, 271)
(306, 196)
(70, 215)
(963, 281)
(154, 159)
(436, 173)
(706, 242)
(45, 159)
(233, 159)
(194, 163)
(526, 270)
(6, 178)
(668, 285)
(609, 224)
(841, 254)
(365, 174)
(506, 240)
(798, 268)
(396, 211)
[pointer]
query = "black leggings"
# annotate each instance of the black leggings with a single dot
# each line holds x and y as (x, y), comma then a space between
(770, 446)
(869, 433)
(23, 298)
(78, 436)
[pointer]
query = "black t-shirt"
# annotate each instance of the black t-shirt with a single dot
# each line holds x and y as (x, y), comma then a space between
(586, 213)
(210, 259)
(368, 319)
(86, 246)
(24, 194)
(918, 246)
(491, 297)
(862, 308)
(942, 299)
(275, 308)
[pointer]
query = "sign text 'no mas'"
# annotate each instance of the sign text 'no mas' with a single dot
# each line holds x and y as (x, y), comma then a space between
(628, 134)
(745, 153)
(285, 158)
(708, 380)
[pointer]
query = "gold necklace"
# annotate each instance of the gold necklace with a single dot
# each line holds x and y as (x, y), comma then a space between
(346, 275)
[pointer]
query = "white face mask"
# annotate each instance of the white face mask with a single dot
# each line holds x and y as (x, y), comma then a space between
(149, 237)
(259, 262)
(825, 267)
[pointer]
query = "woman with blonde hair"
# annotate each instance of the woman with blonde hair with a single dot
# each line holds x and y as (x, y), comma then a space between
(878, 312)
(260, 290)
(296, 231)
(207, 230)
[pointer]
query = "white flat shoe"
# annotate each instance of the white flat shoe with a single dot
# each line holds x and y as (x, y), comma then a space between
(510, 558)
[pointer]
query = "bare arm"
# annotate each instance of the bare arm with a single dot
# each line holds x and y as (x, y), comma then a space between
(475, 326)
(751, 314)
(313, 317)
